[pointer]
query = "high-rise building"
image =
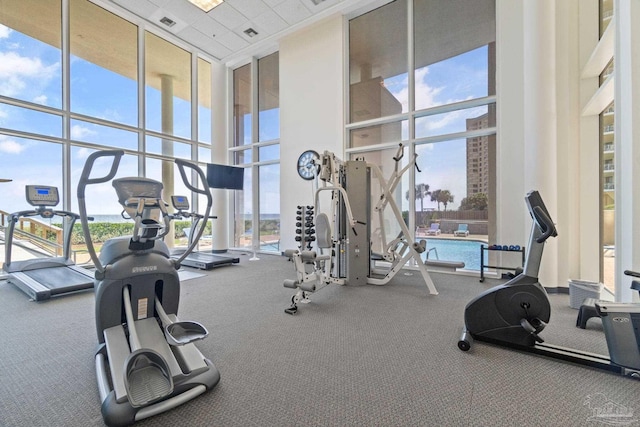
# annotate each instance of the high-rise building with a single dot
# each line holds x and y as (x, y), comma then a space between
(478, 157)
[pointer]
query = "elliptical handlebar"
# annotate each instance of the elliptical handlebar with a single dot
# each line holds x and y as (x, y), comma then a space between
(82, 185)
(205, 191)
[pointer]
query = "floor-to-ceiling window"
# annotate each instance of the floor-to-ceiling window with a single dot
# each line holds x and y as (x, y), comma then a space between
(607, 167)
(58, 104)
(256, 147)
(421, 73)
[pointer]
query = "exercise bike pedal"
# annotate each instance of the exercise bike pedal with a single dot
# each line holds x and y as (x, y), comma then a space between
(291, 310)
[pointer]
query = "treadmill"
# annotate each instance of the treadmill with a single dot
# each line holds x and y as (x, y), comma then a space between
(42, 278)
(201, 260)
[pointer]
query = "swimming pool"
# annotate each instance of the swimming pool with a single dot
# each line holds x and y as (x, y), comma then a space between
(467, 251)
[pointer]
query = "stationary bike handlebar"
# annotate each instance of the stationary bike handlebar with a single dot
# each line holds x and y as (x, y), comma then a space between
(548, 226)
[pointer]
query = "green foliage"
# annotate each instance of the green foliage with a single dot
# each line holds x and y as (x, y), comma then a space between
(103, 231)
(475, 202)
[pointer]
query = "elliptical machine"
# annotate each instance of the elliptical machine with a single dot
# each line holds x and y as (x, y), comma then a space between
(513, 314)
(146, 362)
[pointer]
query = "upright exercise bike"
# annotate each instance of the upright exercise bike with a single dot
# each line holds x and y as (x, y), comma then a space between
(146, 361)
(515, 313)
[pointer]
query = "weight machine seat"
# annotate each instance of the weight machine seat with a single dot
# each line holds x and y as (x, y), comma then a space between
(587, 311)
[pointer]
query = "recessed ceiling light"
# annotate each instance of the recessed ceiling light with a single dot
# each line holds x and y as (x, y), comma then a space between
(206, 5)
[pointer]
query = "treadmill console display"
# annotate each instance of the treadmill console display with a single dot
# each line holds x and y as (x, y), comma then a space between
(180, 202)
(42, 195)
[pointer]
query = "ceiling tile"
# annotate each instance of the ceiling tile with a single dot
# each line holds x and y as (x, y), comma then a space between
(156, 16)
(270, 21)
(249, 8)
(292, 11)
(315, 8)
(160, 3)
(226, 14)
(184, 10)
(209, 26)
(270, 3)
(232, 41)
(205, 42)
(142, 8)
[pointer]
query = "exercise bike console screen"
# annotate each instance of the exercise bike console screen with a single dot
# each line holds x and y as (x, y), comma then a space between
(534, 200)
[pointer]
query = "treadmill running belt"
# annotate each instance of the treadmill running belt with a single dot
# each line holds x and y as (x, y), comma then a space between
(61, 279)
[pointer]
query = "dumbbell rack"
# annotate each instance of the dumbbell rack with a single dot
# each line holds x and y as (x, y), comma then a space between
(305, 231)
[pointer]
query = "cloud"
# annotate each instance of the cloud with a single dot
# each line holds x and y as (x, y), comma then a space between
(10, 146)
(80, 132)
(18, 73)
(41, 99)
(4, 31)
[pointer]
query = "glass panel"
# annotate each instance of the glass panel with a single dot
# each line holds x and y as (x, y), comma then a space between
(270, 208)
(104, 135)
(30, 54)
(454, 45)
(168, 148)
(27, 120)
(388, 132)
(242, 157)
(453, 188)
(27, 161)
(204, 101)
(243, 220)
(102, 202)
(608, 70)
(606, 14)
(269, 152)
(167, 172)
(453, 122)
(242, 106)
(268, 98)
(204, 155)
(608, 196)
(378, 63)
(167, 87)
(104, 64)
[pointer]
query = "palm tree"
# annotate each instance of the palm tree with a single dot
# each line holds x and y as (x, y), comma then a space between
(442, 196)
(421, 192)
(445, 197)
(435, 197)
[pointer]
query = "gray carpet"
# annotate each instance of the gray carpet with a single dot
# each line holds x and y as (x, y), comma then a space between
(375, 356)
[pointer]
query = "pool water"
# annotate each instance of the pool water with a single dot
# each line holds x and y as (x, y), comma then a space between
(467, 251)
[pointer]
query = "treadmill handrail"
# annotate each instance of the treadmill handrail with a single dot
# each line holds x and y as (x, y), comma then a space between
(66, 239)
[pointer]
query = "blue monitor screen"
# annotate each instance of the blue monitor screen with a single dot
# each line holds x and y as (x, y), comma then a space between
(222, 176)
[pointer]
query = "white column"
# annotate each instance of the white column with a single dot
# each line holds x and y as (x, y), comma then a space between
(219, 144)
(166, 94)
(627, 143)
(540, 125)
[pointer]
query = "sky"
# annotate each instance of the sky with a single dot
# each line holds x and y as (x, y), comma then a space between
(31, 71)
